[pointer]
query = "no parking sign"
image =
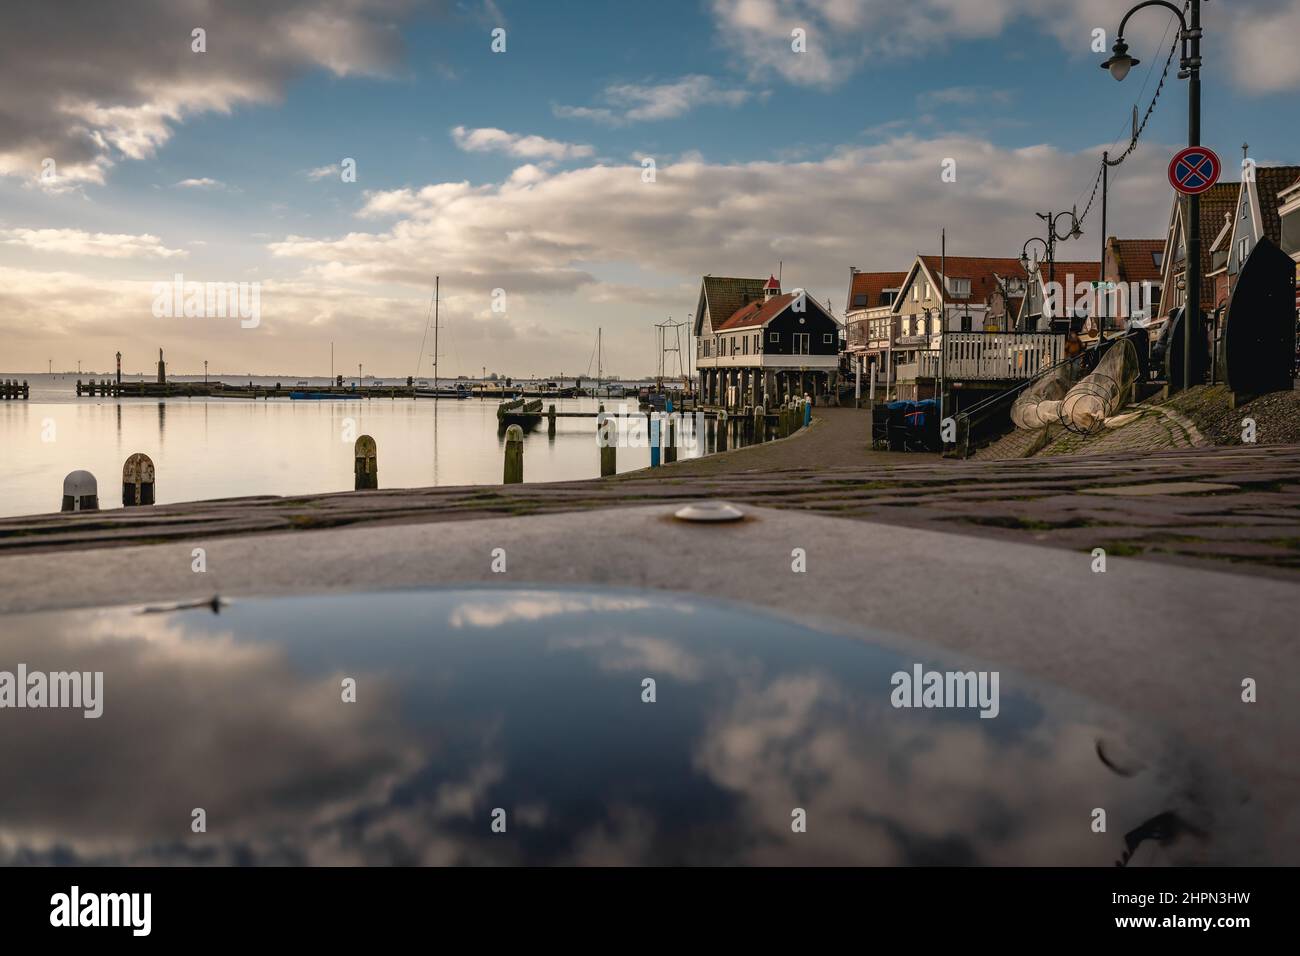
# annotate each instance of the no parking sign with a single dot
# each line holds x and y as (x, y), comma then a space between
(1194, 170)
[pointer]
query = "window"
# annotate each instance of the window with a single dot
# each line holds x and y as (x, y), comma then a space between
(959, 287)
(1243, 249)
(1157, 259)
(965, 323)
(774, 336)
(828, 339)
(801, 343)
(745, 345)
(916, 293)
(860, 300)
(887, 298)
(758, 342)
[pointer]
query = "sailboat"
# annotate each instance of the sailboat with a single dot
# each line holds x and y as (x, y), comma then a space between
(459, 389)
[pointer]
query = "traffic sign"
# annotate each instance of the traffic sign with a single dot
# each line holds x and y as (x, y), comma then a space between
(1194, 169)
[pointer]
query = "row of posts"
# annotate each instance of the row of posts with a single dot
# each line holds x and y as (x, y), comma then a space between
(13, 389)
(81, 490)
(105, 387)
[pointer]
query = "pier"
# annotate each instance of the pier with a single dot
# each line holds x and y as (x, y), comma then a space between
(13, 390)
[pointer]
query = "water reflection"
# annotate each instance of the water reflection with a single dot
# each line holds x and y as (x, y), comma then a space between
(532, 701)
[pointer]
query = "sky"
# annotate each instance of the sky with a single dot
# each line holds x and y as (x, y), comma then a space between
(521, 175)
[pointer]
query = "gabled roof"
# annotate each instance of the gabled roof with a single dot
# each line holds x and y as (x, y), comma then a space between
(1135, 258)
(1270, 182)
(771, 283)
(725, 297)
(981, 270)
(873, 286)
(758, 314)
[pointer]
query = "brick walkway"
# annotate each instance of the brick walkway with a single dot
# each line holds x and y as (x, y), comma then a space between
(1242, 508)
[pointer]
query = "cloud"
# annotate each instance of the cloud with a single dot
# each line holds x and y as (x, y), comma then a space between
(638, 102)
(489, 140)
(203, 183)
(964, 96)
(87, 86)
(78, 242)
(322, 172)
(1251, 37)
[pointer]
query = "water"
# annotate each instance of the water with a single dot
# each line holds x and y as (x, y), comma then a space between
(207, 448)
(535, 701)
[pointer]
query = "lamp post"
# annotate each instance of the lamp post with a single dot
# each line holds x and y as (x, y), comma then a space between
(1189, 68)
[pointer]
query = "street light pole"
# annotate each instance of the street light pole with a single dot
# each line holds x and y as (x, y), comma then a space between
(1119, 65)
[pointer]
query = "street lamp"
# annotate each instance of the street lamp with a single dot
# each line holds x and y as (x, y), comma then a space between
(1189, 68)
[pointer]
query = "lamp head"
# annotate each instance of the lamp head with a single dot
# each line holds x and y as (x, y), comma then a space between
(1120, 62)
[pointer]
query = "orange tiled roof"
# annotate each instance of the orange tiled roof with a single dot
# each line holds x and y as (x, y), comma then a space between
(873, 286)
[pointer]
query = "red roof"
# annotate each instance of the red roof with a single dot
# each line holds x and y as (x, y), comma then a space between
(757, 313)
(873, 286)
(980, 270)
(771, 284)
(1135, 259)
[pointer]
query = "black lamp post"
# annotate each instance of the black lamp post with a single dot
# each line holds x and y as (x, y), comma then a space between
(1054, 235)
(1189, 65)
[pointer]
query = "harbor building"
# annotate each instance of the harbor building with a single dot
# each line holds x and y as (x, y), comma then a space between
(758, 345)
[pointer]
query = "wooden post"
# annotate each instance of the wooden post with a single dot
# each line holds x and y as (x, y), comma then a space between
(80, 492)
(608, 444)
(807, 411)
(550, 422)
(366, 464)
(654, 440)
(760, 424)
(514, 470)
(670, 443)
(137, 481)
(722, 430)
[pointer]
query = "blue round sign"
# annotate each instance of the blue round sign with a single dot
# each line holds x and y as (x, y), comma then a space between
(1194, 169)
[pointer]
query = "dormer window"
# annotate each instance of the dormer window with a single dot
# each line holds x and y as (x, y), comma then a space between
(859, 300)
(959, 287)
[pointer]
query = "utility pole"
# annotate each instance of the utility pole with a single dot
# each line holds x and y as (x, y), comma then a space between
(943, 319)
(436, 297)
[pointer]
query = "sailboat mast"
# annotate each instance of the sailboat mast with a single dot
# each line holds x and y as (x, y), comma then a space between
(599, 357)
(436, 297)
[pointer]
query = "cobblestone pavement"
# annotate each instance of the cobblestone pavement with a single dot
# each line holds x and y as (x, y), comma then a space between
(1238, 506)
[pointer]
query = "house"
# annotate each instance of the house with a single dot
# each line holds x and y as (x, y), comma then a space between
(1256, 213)
(976, 296)
(757, 345)
(1217, 205)
(1067, 308)
(1288, 212)
(1131, 272)
(870, 323)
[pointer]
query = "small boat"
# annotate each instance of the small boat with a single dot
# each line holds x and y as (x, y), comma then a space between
(519, 412)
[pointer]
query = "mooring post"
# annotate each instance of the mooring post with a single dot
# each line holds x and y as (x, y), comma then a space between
(760, 424)
(670, 442)
(722, 429)
(608, 444)
(654, 440)
(137, 481)
(514, 471)
(80, 492)
(550, 421)
(365, 456)
(807, 410)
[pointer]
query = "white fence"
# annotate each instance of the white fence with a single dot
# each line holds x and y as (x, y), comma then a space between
(999, 355)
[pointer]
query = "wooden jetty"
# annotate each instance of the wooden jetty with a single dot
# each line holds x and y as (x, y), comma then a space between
(12, 389)
(519, 411)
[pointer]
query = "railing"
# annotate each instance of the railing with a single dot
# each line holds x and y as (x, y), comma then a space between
(1000, 356)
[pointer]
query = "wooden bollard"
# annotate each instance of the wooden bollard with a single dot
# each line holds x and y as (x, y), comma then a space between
(550, 422)
(365, 464)
(137, 481)
(514, 470)
(80, 492)
(654, 440)
(722, 430)
(760, 425)
(807, 410)
(670, 442)
(608, 444)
